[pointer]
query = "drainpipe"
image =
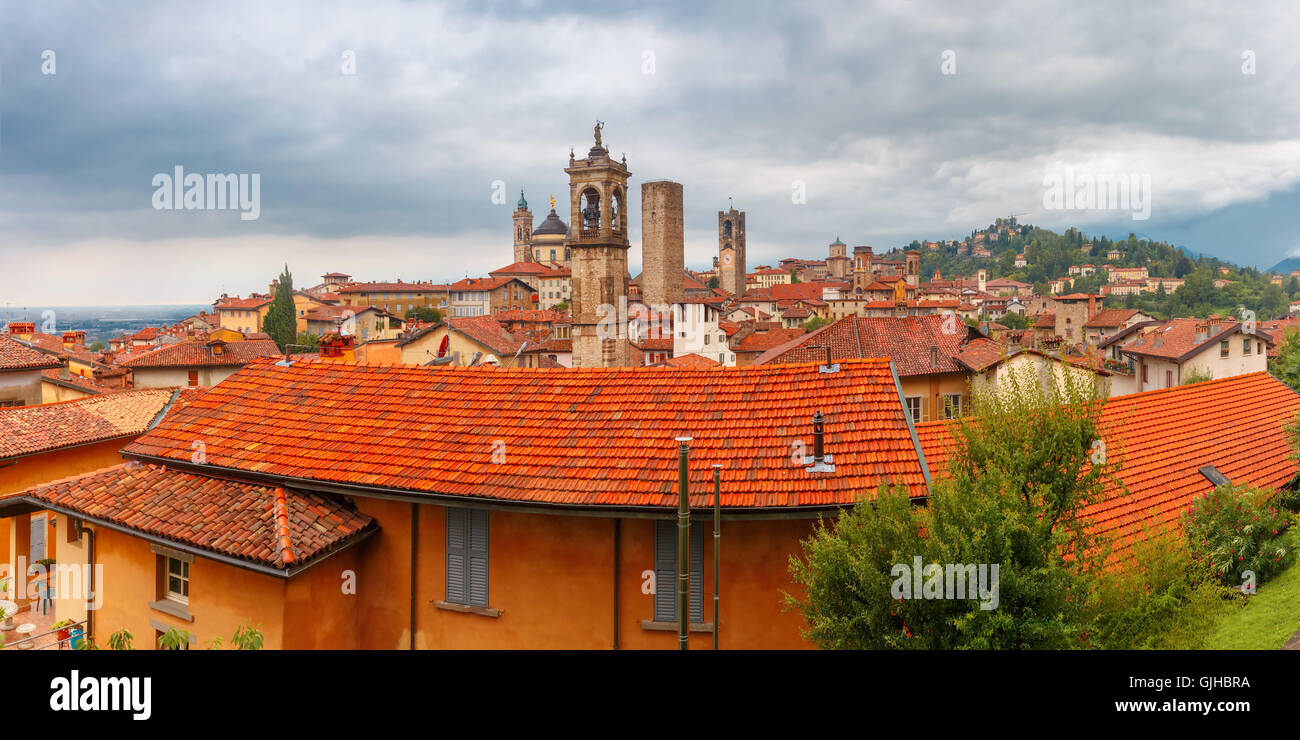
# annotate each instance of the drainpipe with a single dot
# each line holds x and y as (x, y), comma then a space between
(683, 545)
(717, 545)
(618, 538)
(415, 539)
(90, 595)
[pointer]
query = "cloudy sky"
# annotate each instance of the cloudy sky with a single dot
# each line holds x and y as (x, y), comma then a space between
(895, 120)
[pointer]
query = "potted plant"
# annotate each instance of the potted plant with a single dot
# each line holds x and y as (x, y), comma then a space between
(6, 617)
(62, 626)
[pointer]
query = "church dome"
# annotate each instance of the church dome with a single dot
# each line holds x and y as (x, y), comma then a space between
(551, 225)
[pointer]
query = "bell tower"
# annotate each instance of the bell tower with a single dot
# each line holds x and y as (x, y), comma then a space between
(731, 251)
(598, 245)
(523, 230)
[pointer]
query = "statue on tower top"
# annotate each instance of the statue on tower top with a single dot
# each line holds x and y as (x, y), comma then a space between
(599, 126)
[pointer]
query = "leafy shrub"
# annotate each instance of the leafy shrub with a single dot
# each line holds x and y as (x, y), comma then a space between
(1158, 600)
(1238, 528)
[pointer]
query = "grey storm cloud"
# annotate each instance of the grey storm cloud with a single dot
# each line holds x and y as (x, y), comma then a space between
(737, 100)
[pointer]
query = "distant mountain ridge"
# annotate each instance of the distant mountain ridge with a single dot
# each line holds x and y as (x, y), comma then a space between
(1286, 266)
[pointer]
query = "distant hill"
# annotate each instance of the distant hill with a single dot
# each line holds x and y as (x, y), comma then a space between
(1286, 266)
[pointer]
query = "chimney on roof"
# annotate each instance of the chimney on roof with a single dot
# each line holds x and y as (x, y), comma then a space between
(22, 330)
(64, 372)
(934, 356)
(69, 341)
(820, 462)
(1092, 306)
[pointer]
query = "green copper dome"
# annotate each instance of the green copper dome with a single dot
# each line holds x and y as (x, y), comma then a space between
(837, 241)
(523, 204)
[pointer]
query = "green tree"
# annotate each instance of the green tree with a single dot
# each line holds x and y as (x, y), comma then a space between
(1286, 366)
(427, 314)
(815, 323)
(281, 320)
(1017, 484)
(713, 282)
(1196, 374)
(794, 276)
(306, 342)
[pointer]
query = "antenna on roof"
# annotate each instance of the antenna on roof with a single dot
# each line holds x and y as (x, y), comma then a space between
(517, 353)
(829, 367)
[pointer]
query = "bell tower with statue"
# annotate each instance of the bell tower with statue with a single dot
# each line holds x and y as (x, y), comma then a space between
(598, 245)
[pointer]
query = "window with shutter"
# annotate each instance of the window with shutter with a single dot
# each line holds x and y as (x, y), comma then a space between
(467, 557)
(666, 571)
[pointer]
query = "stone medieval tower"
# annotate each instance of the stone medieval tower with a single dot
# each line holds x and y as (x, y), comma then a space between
(663, 243)
(523, 231)
(862, 271)
(598, 243)
(731, 251)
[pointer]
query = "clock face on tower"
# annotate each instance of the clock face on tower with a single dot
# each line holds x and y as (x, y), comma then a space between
(726, 258)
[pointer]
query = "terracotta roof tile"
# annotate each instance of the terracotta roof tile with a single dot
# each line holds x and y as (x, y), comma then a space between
(198, 353)
(1164, 437)
(27, 430)
(906, 341)
(580, 437)
(15, 355)
(266, 525)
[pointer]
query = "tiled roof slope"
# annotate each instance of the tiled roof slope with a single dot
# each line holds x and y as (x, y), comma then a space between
(197, 353)
(1164, 437)
(27, 430)
(575, 437)
(906, 341)
(17, 356)
(266, 525)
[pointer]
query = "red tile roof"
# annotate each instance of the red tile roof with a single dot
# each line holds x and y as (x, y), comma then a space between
(575, 437)
(1178, 338)
(198, 353)
(15, 355)
(482, 284)
(84, 383)
(244, 304)
(692, 360)
(488, 332)
(1110, 317)
(905, 340)
(27, 430)
(265, 525)
(528, 268)
(1164, 437)
(393, 288)
(762, 341)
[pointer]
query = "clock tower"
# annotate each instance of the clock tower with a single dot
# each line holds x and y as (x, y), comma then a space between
(731, 251)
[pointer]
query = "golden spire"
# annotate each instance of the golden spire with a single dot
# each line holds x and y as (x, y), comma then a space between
(552, 202)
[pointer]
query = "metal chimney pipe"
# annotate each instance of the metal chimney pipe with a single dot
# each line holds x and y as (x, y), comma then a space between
(819, 449)
(683, 544)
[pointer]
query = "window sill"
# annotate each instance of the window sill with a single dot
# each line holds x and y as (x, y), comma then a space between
(482, 611)
(650, 624)
(167, 606)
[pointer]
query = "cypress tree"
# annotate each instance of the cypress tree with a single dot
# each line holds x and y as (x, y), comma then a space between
(281, 318)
